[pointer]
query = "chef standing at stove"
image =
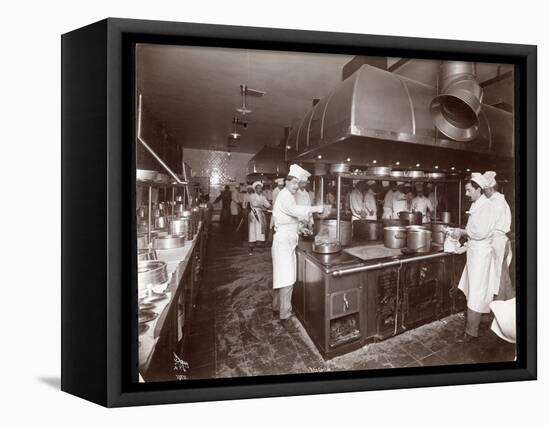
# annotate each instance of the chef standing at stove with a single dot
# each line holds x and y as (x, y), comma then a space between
(478, 278)
(286, 216)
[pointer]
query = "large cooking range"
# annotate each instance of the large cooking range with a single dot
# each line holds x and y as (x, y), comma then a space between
(345, 300)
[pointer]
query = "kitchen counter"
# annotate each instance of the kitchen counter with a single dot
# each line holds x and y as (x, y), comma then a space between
(164, 332)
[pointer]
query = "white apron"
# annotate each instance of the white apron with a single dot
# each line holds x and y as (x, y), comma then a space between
(500, 241)
(283, 253)
(256, 225)
(478, 277)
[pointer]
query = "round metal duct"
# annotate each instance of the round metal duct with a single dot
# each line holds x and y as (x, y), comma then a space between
(456, 109)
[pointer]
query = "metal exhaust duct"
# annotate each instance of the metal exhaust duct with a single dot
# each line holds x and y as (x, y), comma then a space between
(455, 110)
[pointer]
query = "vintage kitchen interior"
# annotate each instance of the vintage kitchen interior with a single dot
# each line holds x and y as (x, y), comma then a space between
(300, 212)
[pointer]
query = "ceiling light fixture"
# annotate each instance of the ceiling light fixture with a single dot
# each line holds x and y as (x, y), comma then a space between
(320, 157)
(397, 163)
(234, 134)
(373, 161)
(348, 159)
(437, 167)
(417, 164)
(245, 90)
(452, 168)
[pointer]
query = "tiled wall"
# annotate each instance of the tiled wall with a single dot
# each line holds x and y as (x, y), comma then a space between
(222, 169)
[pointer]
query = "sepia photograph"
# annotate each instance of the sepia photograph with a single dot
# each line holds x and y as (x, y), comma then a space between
(301, 212)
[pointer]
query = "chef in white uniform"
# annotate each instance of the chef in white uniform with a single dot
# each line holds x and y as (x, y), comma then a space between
(369, 201)
(357, 202)
(234, 206)
(422, 204)
(479, 275)
(287, 214)
(501, 243)
(257, 225)
(399, 201)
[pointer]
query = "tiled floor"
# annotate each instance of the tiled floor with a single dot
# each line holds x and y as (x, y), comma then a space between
(235, 332)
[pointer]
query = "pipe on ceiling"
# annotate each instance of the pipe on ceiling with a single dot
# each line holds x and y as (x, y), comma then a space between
(455, 110)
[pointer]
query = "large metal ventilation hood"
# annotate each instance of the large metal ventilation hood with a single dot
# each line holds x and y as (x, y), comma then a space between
(376, 114)
(268, 161)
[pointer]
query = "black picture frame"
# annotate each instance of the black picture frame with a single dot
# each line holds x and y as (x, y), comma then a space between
(98, 181)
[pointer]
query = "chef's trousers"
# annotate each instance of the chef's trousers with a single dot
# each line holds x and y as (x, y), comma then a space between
(473, 319)
(282, 301)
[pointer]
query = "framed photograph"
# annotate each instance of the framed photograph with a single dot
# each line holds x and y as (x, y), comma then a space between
(254, 212)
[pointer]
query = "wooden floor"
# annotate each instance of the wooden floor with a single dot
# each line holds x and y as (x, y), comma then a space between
(236, 334)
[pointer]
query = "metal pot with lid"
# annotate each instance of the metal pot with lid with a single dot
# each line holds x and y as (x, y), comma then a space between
(395, 236)
(419, 240)
(327, 247)
(439, 230)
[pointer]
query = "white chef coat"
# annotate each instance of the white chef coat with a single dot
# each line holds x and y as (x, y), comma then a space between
(356, 204)
(422, 204)
(235, 199)
(388, 205)
(274, 195)
(286, 215)
(257, 225)
(370, 205)
(399, 204)
(503, 222)
(478, 280)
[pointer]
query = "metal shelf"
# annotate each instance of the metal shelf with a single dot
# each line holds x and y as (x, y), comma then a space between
(395, 179)
(160, 184)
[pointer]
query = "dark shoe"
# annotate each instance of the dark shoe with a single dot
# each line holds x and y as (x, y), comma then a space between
(288, 324)
(466, 338)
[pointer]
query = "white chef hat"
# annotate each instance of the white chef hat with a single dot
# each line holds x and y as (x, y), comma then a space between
(255, 184)
(385, 183)
(399, 183)
(298, 172)
(249, 187)
(280, 181)
(490, 178)
(479, 179)
(371, 182)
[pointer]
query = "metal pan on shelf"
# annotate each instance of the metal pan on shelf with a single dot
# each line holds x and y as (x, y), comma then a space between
(379, 171)
(416, 174)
